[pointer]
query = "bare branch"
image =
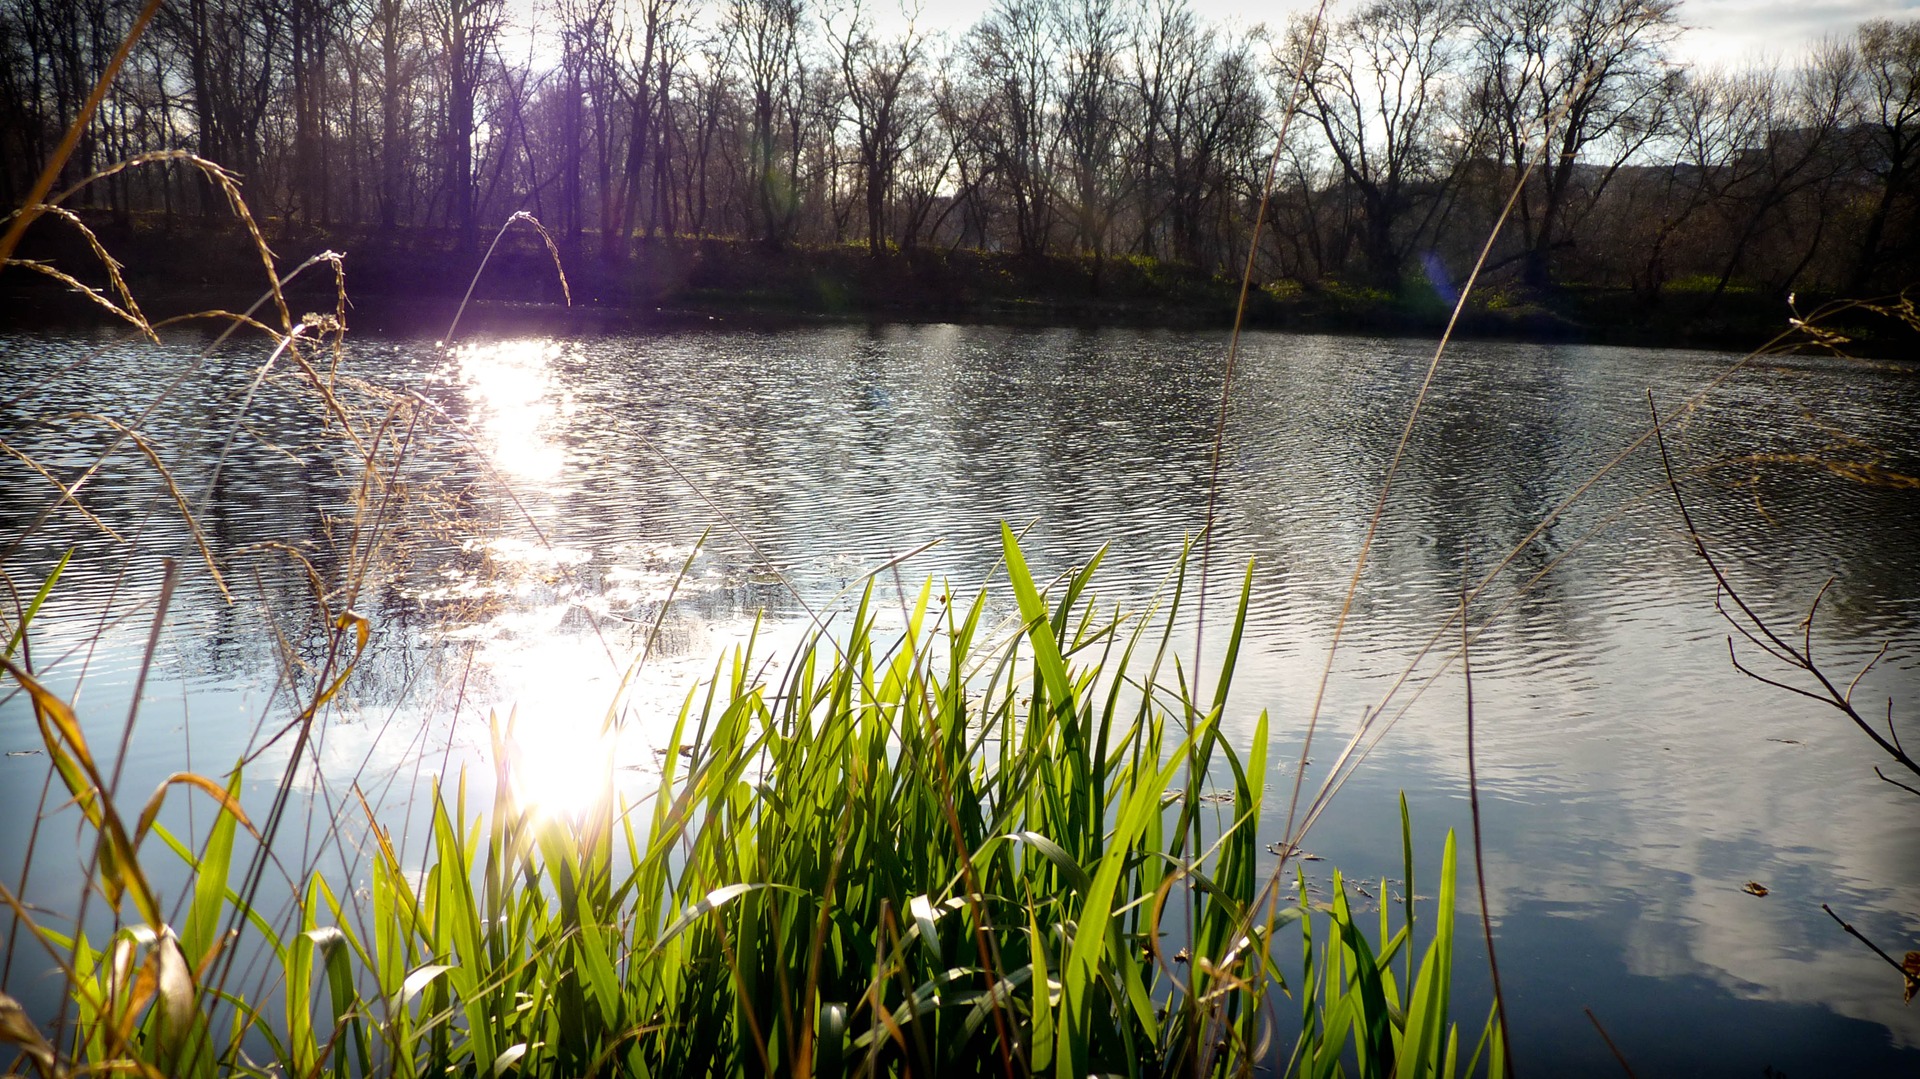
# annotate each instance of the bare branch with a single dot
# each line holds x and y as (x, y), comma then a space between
(1895, 782)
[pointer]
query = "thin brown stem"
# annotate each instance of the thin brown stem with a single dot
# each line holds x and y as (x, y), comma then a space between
(1612, 1048)
(1473, 805)
(1862, 938)
(1759, 631)
(1239, 320)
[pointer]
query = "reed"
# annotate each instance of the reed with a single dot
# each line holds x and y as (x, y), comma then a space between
(953, 847)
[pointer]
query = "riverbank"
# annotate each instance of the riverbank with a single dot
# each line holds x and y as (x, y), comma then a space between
(411, 281)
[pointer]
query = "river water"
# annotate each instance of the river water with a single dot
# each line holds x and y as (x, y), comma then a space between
(1632, 781)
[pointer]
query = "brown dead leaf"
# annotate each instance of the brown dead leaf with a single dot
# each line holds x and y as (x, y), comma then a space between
(1911, 968)
(1754, 887)
(17, 1029)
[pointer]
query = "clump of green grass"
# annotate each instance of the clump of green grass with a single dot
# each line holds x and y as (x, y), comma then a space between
(1356, 1017)
(958, 848)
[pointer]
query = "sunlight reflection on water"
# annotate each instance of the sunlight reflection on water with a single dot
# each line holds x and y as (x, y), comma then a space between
(516, 405)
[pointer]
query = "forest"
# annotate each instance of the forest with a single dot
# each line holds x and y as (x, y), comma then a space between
(1108, 129)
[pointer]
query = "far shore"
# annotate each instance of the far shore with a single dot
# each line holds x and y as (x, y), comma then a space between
(410, 283)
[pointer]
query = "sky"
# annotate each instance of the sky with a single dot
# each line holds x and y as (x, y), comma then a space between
(1735, 31)
(1721, 33)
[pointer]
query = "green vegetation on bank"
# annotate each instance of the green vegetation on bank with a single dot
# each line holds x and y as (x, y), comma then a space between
(954, 848)
(410, 281)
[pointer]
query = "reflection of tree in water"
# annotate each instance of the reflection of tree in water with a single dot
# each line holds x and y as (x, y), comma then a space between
(1085, 431)
(1486, 469)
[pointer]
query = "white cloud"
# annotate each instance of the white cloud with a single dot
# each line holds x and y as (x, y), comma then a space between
(1740, 31)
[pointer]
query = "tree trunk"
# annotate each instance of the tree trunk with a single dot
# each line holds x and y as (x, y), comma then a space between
(389, 113)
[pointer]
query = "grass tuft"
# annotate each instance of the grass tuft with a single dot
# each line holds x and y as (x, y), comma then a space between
(948, 847)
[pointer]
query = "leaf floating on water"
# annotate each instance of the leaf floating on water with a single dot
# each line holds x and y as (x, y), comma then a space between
(1911, 968)
(1754, 887)
(1292, 852)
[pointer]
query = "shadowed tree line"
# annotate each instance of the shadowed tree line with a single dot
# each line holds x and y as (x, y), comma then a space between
(1104, 128)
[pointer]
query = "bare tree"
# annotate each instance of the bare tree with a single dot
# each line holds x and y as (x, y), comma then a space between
(705, 91)
(467, 30)
(1588, 77)
(926, 165)
(1794, 127)
(1890, 71)
(231, 48)
(313, 27)
(1093, 35)
(1375, 90)
(1011, 54)
(675, 43)
(1166, 67)
(877, 77)
(68, 45)
(586, 31)
(1099, 125)
(1219, 158)
(1713, 120)
(392, 29)
(655, 48)
(963, 108)
(763, 38)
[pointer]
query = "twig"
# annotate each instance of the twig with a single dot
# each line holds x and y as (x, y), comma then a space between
(1911, 979)
(1869, 665)
(1895, 782)
(1756, 629)
(1617, 1054)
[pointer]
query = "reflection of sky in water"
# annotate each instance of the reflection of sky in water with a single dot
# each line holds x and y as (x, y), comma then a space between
(1632, 782)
